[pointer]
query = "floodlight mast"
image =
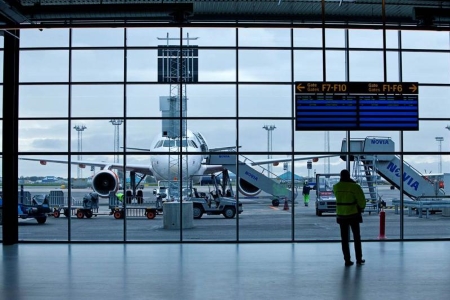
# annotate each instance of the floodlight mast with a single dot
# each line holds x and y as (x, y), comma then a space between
(270, 129)
(116, 123)
(80, 129)
(440, 139)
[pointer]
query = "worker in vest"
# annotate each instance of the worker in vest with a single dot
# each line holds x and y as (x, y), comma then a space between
(305, 193)
(119, 197)
(350, 202)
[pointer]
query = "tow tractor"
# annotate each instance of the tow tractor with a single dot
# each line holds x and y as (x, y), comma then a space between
(218, 201)
(38, 209)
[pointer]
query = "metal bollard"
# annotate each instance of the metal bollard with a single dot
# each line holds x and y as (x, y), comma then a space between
(382, 235)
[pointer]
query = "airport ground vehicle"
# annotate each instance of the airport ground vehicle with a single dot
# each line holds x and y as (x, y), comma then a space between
(38, 209)
(325, 199)
(219, 200)
(214, 203)
(134, 206)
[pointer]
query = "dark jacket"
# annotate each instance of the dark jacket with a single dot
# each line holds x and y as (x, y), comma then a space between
(306, 190)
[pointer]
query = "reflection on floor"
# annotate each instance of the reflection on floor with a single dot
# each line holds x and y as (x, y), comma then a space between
(393, 270)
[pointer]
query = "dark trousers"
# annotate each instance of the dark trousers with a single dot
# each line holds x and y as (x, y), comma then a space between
(345, 226)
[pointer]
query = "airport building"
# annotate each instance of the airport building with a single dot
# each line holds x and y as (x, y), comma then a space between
(209, 111)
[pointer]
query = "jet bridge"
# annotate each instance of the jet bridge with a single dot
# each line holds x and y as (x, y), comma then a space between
(415, 184)
(252, 176)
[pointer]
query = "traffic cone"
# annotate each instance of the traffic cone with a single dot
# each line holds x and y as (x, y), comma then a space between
(286, 205)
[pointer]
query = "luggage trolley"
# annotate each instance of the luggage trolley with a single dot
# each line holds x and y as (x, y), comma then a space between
(87, 207)
(133, 207)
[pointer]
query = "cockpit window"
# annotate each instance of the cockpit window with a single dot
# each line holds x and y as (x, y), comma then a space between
(158, 144)
(174, 143)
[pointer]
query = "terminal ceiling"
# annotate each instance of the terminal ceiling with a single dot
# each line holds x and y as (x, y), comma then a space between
(87, 13)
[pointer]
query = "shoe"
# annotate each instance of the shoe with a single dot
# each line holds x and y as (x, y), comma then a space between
(349, 263)
(361, 262)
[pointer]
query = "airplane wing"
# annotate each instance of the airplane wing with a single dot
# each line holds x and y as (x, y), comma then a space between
(228, 148)
(288, 159)
(143, 169)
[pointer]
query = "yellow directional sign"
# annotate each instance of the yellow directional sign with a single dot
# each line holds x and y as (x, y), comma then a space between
(413, 88)
(334, 87)
(300, 87)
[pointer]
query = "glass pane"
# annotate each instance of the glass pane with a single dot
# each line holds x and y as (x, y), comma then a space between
(253, 136)
(393, 67)
(365, 38)
(392, 38)
(43, 101)
(211, 100)
(1, 66)
(264, 65)
(97, 101)
(143, 137)
(215, 133)
(41, 190)
(44, 66)
(92, 208)
(431, 101)
(1, 101)
(43, 136)
(152, 36)
(366, 66)
(335, 38)
(424, 140)
(97, 65)
(92, 37)
(44, 38)
(336, 66)
(144, 100)
(308, 65)
(264, 37)
(431, 207)
(96, 136)
(425, 67)
(142, 65)
(425, 39)
(224, 37)
(217, 65)
(307, 37)
(265, 101)
(262, 218)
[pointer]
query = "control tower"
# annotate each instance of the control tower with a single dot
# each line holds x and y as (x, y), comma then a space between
(177, 66)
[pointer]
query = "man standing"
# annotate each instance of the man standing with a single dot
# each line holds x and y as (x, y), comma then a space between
(305, 193)
(350, 202)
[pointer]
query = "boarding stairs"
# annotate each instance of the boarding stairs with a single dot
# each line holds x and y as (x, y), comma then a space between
(365, 173)
(273, 185)
(375, 156)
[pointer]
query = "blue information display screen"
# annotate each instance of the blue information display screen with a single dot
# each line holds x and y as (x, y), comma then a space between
(370, 109)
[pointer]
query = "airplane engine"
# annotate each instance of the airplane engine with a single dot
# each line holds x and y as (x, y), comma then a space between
(104, 182)
(247, 188)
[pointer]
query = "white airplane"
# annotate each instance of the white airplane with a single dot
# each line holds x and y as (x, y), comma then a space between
(106, 180)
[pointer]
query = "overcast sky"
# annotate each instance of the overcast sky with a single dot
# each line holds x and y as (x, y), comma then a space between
(206, 100)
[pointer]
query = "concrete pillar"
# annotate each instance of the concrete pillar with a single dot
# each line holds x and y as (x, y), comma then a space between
(172, 215)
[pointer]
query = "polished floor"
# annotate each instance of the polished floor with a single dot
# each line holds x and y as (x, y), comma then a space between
(393, 270)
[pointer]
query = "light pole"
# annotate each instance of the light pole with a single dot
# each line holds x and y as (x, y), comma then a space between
(80, 129)
(440, 139)
(270, 129)
(116, 123)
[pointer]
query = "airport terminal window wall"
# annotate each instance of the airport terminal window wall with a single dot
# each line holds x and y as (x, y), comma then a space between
(93, 95)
